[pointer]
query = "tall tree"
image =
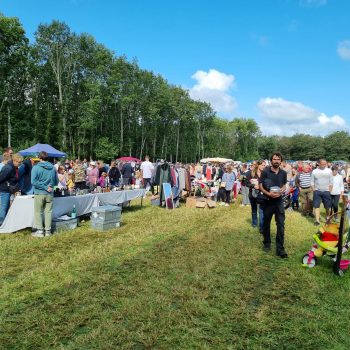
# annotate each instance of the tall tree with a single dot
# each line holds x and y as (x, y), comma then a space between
(56, 46)
(13, 60)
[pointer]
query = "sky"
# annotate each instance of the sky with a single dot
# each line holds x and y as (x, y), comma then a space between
(284, 63)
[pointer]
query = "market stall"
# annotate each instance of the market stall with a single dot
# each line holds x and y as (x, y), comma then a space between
(21, 212)
(39, 147)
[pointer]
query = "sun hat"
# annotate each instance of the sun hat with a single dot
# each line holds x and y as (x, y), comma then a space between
(93, 163)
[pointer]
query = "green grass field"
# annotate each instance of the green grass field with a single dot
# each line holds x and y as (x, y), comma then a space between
(182, 279)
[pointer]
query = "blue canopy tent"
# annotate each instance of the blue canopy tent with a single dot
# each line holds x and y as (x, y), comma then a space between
(39, 147)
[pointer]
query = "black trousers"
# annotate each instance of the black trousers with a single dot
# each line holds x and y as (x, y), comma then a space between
(335, 202)
(276, 209)
(224, 195)
(146, 182)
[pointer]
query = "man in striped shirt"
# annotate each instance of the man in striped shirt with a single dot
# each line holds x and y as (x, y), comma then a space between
(303, 181)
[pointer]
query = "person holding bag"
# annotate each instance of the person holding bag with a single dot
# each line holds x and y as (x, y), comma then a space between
(252, 182)
(9, 184)
(228, 180)
(273, 182)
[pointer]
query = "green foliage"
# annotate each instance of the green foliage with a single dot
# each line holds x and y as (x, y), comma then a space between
(105, 149)
(337, 145)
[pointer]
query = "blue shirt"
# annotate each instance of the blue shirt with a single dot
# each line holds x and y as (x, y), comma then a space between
(230, 179)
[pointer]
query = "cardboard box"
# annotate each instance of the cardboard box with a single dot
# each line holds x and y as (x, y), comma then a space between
(191, 202)
(211, 203)
(201, 204)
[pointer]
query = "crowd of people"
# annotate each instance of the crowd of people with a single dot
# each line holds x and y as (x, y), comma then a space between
(262, 185)
(44, 177)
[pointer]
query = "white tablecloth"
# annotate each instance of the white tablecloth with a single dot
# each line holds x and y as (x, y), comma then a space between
(118, 197)
(21, 213)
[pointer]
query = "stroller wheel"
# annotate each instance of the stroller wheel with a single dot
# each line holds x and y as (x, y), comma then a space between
(309, 263)
(340, 273)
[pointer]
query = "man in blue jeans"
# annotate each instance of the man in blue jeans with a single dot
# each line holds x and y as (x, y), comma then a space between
(8, 182)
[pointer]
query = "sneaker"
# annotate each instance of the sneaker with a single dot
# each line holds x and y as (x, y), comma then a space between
(242, 205)
(316, 223)
(48, 233)
(222, 203)
(227, 205)
(283, 255)
(38, 234)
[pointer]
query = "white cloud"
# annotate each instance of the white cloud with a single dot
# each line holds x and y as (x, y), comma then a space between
(282, 117)
(344, 50)
(214, 87)
(313, 3)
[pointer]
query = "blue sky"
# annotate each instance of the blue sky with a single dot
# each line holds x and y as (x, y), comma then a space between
(285, 63)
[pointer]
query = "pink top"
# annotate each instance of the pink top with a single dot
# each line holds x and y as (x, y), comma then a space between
(93, 176)
(101, 181)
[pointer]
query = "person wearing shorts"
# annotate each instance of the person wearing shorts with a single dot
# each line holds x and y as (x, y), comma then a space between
(303, 182)
(322, 184)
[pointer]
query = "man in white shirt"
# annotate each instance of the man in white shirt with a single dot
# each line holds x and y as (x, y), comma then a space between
(337, 190)
(322, 184)
(146, 171)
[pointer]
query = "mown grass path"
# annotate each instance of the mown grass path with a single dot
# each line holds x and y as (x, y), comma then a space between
(182, 279)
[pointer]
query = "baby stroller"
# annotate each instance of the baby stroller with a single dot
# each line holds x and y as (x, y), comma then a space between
(331, 240)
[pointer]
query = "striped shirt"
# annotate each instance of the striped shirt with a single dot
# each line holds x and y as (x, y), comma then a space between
(304, 180)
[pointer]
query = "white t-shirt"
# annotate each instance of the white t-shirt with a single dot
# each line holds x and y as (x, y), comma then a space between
(321, 179)
(147, 168)
(338, 185)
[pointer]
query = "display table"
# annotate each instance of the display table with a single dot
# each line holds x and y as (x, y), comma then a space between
(21, 212)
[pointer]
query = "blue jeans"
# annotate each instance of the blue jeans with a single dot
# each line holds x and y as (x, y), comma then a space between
(255, 207)
(4, 205)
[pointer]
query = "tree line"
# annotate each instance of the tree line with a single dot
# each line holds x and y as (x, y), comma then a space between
(72, 92)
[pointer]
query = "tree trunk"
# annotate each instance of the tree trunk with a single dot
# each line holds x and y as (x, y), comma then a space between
(142, 146)
(129, 132)
(8, 127)
(121, 131)
(36, 118)
(177, 142)
(154, 146)
(163, 146)
(79, 138)
(91, 142)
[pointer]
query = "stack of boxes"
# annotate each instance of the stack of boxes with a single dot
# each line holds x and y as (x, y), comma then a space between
(105, 217)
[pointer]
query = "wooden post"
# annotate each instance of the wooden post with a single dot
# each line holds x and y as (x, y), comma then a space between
(336, 268)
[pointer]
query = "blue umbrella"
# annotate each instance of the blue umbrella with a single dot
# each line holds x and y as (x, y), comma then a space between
(39, 147)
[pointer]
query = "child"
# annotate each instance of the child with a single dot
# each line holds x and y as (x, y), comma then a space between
(295, 194)
(103, 180)
(70, 181)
